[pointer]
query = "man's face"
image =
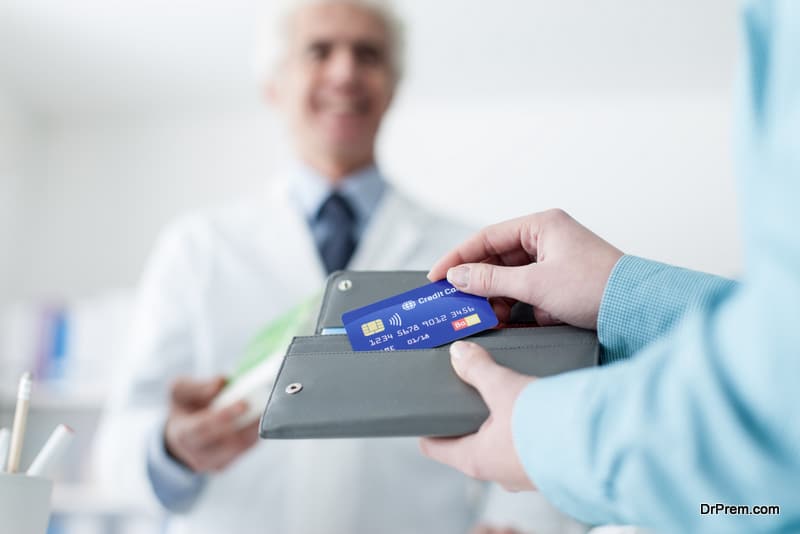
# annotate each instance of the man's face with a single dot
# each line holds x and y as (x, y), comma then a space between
(336, 81)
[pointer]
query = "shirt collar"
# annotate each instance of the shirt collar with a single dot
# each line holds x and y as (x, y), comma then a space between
(308, 190)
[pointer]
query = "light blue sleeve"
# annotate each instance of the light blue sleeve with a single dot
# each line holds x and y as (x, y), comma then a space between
(644, 299)
(706, 413)
(175, 485)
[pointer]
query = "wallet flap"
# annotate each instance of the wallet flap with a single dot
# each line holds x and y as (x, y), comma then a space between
(348, 290)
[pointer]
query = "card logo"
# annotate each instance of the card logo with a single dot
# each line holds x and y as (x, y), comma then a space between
(465, 322)
(409, 305)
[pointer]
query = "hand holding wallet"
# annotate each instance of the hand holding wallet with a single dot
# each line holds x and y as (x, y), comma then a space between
(326, 390)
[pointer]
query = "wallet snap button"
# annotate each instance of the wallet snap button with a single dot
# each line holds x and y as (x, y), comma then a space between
(291, 389)
(344, 285)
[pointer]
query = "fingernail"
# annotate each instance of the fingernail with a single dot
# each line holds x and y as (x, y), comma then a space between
(459, 276)
(459, 351)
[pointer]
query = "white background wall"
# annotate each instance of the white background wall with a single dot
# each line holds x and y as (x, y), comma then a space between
(17, 144)
(108, 186)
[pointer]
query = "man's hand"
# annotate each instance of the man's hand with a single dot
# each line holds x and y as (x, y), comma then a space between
(488, 454)
(547, 260)
(202, 439)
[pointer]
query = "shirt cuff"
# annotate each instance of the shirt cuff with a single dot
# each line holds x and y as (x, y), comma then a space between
(175, 485)
(645, 299)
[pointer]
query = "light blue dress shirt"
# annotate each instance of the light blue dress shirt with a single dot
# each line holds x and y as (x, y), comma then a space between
(702, 404)
(175, 485)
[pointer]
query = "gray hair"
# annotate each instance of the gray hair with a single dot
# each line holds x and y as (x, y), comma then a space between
(273, 34)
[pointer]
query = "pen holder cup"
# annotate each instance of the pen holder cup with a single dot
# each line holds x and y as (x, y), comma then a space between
(24, 503)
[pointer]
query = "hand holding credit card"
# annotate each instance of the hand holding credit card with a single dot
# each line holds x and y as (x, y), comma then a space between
(425, 317)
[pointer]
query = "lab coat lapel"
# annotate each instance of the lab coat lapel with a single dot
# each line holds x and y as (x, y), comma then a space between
(295, 254)
(392, 236)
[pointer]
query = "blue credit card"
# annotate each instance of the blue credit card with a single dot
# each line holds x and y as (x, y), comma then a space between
(422, 318)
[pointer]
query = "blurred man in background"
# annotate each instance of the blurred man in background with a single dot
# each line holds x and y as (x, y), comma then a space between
(216, 279)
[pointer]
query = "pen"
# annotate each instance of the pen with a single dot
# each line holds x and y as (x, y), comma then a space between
(52, 451)
(4, 437)
(20, 419)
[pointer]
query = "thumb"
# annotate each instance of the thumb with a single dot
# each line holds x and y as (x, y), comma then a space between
(477, 368)
(489, 280)
(194, 393)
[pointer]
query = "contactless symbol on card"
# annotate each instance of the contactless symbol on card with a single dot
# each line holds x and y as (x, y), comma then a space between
(422, 318)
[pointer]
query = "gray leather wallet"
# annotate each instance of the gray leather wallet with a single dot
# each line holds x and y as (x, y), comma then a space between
(326, 390)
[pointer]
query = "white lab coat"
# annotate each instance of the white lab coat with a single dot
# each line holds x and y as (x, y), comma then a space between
(212, 283)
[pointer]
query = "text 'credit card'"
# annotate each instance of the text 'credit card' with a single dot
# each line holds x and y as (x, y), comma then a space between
(422, 318)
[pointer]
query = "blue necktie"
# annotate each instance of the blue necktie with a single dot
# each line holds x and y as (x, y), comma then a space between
(338, 246)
